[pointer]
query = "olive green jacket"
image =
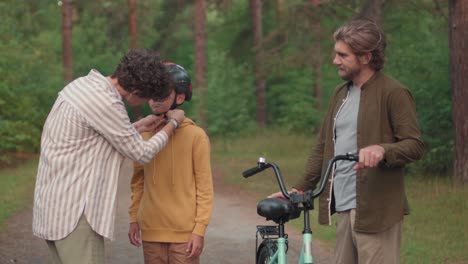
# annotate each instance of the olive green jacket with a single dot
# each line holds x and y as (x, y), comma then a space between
(387, 117)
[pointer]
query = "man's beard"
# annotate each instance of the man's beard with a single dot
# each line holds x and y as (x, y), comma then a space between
(349, 76)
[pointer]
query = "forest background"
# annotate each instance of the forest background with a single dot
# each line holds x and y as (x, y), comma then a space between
(294, 64)
(262, 73)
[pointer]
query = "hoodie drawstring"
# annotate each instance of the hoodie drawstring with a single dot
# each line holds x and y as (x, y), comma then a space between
(172, 163)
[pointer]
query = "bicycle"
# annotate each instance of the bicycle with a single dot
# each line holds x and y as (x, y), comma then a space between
(274, 245)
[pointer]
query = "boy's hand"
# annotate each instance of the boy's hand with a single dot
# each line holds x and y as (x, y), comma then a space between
(195, 246)
(134, 234)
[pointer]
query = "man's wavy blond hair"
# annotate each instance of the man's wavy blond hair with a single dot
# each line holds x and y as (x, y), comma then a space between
(364, 36)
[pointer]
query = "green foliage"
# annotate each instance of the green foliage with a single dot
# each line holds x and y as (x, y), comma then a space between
(291, 104)
(173, 28)
(230, 98)
(100, 36)
(31, 62)
(230, 32)
(418, 57)
(16, 185)
(18, 136)
(27, 60)
(432, 202)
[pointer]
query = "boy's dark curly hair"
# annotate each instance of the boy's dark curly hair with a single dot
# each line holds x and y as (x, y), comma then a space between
(143, 71)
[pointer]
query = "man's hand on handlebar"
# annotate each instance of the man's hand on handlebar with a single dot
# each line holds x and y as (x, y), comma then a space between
(369, 157)
(280, 194)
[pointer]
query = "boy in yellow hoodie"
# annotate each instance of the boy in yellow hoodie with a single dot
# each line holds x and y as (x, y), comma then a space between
(172, 195)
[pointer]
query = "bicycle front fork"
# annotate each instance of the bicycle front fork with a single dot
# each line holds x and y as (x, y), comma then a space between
(306, 252)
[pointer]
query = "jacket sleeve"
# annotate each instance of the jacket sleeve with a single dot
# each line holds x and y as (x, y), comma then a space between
(106, 114)
(408, 146)
(204, 183)
(313, 166)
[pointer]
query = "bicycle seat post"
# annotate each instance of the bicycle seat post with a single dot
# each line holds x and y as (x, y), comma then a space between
(281, 229)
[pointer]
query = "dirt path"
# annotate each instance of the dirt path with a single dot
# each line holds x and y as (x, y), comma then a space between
(230, 236)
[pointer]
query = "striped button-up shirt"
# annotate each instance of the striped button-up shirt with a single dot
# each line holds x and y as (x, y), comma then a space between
(84, 141)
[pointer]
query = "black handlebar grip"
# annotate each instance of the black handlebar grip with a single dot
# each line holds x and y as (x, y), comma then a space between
(353, 156)
(252, 171)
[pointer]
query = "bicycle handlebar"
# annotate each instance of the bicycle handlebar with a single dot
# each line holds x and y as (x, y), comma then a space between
(253, 171)
(262, 165)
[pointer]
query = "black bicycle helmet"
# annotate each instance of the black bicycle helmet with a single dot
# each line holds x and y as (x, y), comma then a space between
(181, 79)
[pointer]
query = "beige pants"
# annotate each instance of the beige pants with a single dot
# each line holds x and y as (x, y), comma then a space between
(167, 253)
(355, 247)
(81, 246)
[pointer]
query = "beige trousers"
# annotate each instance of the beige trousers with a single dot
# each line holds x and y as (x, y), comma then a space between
(167, 253)
(82, 246)
(363, 248)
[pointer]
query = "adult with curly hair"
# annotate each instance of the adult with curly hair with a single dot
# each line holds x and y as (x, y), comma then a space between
(85, 139)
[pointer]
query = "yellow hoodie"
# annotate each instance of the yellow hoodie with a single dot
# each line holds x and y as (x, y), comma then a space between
(172, 195)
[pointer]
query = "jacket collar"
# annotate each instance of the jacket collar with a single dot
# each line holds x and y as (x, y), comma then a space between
(371, 80)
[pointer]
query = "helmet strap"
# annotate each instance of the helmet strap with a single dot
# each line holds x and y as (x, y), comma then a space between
(174, 103)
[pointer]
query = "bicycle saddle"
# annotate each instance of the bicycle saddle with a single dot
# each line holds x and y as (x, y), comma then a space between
(278, 210)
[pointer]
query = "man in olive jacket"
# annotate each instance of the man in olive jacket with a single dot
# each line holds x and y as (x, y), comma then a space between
(374, 115)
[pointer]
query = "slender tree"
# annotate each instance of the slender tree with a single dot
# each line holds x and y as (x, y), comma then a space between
(133, 34)
(200, 58)
(67, 51)
(317, 53)
(458, 23)
(132, 23)
(256, 16)
(167, 25)
(372, 9)
(180, 4)
(279, 10)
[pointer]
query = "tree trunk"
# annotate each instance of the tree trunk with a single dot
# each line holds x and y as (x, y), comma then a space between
(180, 4)
(317, 54)
(458, 23)
(133, 35)
(279, 10)
(132, 23)
(200, 59)
(256, 13)
(372, 10)
(67, 52)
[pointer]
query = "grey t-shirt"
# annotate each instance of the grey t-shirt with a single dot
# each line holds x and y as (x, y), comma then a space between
(344, 182)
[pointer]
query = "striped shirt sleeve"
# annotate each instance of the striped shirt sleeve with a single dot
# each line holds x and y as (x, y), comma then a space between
(107, 115)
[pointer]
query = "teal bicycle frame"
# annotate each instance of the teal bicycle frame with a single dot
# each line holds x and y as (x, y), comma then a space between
(274, 246)
(280, 256)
